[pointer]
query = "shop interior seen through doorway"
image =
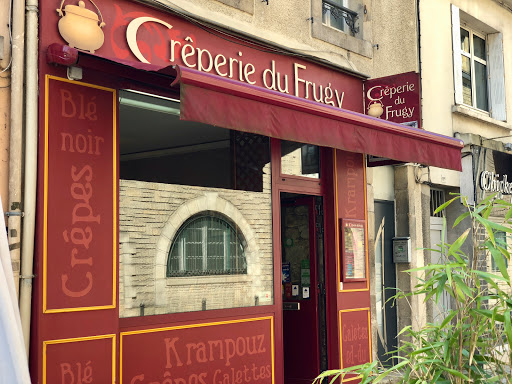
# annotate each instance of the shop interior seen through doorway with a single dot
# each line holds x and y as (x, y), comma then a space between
(303, 289)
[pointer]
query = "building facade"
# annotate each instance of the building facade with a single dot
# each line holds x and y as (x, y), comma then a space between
(211, 199)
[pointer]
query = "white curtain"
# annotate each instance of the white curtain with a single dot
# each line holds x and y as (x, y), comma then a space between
(13, 359)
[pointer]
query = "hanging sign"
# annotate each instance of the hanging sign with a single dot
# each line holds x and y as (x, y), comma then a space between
(395, 98)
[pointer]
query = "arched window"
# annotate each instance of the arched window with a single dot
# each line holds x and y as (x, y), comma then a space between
(207, 244)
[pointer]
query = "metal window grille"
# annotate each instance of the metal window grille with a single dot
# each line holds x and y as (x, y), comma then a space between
(436, 199)
(207, 244)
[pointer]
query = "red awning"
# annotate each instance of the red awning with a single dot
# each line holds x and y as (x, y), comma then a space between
(231, 104)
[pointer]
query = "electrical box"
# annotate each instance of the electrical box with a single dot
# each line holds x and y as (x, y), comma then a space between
(401, 249)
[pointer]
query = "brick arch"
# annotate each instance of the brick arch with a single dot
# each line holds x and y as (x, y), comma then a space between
(210, 201)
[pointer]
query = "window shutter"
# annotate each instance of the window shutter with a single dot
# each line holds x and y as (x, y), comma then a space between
(496, 76)
(457, 62)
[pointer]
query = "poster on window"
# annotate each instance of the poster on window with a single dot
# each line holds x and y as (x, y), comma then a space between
(353, 250)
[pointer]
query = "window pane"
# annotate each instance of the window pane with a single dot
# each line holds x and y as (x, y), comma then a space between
(479, 47)
(194, 200)
(466, 80)
(300, 159)
(215, 239)
(464, 40)
(331, 17)
(481, 86)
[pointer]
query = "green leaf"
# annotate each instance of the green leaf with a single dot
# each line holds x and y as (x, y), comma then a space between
(488, 276)
(460, 218)
(448, 318)
(508, 326)
(508, 214)
(486, 225)
(457, 373)
(487, 212)
(459, 283)
(499, 259)
(457, 244)
(490, 314)
(443, 206)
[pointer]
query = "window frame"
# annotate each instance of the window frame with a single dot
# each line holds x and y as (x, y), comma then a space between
(358, 44)
(472, 59)
(178, 240)
(496, 95)
(328, 15)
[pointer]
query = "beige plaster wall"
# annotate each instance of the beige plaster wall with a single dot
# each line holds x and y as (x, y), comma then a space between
(5, 106)
(288, 23)
(437, 74)
(394, 26)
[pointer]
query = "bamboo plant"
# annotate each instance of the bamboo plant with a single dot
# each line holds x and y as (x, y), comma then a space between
(472, 343)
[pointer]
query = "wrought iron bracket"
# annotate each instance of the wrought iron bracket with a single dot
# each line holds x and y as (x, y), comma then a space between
(338, 11)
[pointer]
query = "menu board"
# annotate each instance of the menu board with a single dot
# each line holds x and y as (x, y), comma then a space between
(354, 250)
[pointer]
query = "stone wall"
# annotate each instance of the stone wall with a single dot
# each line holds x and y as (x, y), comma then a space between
(150, 214)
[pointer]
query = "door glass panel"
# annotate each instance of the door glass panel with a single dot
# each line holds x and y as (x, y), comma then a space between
(299, 159)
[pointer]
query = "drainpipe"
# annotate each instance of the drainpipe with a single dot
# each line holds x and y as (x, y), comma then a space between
(27, 249)
(14, 208)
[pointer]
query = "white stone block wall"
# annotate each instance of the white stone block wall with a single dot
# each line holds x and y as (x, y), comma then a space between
(150, 214)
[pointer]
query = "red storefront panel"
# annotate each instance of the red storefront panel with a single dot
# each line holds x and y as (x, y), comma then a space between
(80, 360)
(231, 352)
(80, 188)
(355, 337)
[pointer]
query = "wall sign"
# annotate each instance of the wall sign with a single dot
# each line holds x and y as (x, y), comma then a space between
(354, 250)
(235, 351)
(137, 33)
(395, 98)
(80, 191)
(490, 182)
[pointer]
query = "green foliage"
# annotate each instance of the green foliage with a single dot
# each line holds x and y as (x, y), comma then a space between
(472, 343)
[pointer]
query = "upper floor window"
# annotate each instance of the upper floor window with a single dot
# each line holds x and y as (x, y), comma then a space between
(474, 69)
(340, 23)
(207, 244)
(478, 66)
(336, 14)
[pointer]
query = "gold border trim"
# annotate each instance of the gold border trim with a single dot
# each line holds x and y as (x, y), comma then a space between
(198, 325)
(45, 197)
(341, 337)
(78, 339)
(338, 259)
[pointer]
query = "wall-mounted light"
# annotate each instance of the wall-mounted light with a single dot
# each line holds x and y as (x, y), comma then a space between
(149, 102)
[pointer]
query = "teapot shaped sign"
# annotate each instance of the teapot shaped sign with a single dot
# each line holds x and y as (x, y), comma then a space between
(81, 27)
